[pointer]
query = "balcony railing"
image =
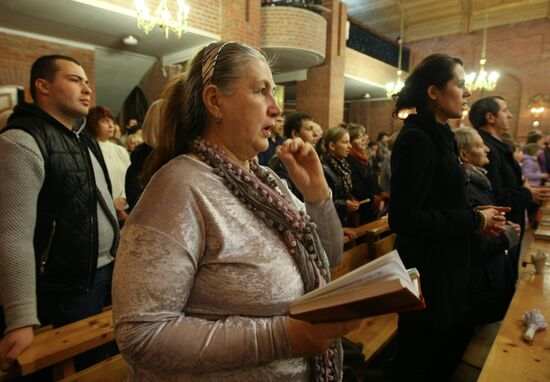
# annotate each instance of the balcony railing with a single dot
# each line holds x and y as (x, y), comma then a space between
(367, 42)
(312, 5)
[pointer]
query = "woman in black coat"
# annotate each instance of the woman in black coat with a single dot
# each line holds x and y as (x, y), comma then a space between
(365, 182)
(433, 221)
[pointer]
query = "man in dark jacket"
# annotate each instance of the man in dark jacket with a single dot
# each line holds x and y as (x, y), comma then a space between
(491, 117)
(58, 231)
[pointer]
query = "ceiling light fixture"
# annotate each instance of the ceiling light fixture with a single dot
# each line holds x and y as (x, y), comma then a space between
(162, 18)
(482, 80)
(130, 40)
(394, 87)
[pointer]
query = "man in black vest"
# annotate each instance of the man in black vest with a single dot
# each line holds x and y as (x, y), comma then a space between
(58, 231)
(491, 117)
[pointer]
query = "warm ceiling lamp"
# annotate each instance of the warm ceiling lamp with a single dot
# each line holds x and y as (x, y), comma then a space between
(394, 87)
(482, 80)
(162, 18)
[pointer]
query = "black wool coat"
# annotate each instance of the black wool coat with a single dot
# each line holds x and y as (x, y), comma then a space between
(505, 175)
(430, 214)
(365, 186)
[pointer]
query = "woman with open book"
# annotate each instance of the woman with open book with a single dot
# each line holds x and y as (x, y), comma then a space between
(433, 221)
(218, 247)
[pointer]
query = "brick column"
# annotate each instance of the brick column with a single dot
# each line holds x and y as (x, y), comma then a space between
(322, 94)
(241, 20)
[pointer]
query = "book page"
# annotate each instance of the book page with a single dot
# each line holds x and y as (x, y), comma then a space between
(390, 263)
(385, 287)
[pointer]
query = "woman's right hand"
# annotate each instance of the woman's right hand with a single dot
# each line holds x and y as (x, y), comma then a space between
(308, 339)
(495, 221)
(352, 205)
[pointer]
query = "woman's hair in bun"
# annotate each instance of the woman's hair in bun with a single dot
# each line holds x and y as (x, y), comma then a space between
(436, 69)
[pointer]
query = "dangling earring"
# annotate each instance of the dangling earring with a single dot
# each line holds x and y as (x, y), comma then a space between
(219, 121)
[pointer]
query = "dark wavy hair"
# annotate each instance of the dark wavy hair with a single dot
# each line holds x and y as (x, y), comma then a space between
(294, 122)
(95, 115)
(436, 69)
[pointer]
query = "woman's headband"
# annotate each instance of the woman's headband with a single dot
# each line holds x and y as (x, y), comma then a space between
(209, 59)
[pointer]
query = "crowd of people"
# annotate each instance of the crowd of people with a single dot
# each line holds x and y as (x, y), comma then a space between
(231, 210)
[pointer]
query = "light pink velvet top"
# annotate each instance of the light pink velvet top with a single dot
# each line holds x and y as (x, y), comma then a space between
(201, 285)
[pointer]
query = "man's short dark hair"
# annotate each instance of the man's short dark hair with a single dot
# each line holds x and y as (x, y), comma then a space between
(381, 135)
(46, 68)
(480, 108)
(294, 123)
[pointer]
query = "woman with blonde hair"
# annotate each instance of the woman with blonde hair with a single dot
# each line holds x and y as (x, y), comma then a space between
(335, 149)
(149, 131)
(218, 247)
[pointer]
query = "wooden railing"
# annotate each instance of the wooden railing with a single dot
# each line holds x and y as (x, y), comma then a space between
(56, 348)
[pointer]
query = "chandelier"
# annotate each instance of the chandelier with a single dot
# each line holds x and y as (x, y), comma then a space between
(162, 18)
(394, 87)
(482, 80)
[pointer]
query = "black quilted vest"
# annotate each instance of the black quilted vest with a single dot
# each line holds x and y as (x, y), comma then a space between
(66, 231)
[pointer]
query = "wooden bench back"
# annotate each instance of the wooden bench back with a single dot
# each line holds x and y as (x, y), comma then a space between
(56, 347)
(114, 369)
(384, 245)
(351, 259)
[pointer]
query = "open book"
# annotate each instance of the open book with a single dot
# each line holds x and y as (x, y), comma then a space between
(380, 286)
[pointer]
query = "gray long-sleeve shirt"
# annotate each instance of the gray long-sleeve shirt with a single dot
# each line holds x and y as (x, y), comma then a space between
(201, 284)
(21, 178)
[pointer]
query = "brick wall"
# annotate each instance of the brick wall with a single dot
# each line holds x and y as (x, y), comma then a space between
(293, 28)
(376, 116)
(19, 52)
(240, 21)
(322, 94)
(521, 53)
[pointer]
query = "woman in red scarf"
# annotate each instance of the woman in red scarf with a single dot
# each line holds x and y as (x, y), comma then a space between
(364, 180)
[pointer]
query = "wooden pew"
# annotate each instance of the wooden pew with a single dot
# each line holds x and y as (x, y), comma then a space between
(383, 246)
(351, 259)
(57, 347)
(374, 333)
(114, 369)
(373, 229)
